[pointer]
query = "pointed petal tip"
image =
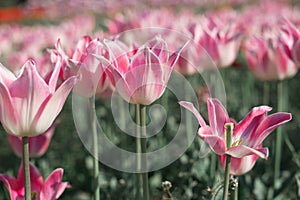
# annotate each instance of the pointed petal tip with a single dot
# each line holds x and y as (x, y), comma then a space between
(264, 107)
(191, 108)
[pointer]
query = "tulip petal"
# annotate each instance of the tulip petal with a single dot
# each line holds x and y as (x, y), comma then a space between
(55, 74)
(215, 142)
(287, 67)
(146, 70)
(12, 186)
(153, 68)
(249, 124)
(6, 76)
(38, 145)
(191, 108)
(174, 57)
(36, 179)
(210, 45)
(159, 48)
(53, 186)
(28, 93)
(61, 188)
(52, 106)
(16, 144)
(243, 165)
(117, 55)
(81, 47)
(7, 111)
(217, 116)
(88, 82)
(268, 125)
(239, 166)
(242, 150)
(296, 52)
(148, 83)
(60, 50)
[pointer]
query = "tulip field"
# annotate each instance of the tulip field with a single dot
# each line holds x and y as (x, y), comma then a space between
(150, 100)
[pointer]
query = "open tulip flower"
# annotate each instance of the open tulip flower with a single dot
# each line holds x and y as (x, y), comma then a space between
(51, 189)
(247, 135)
(38, 145)
(29, 102)
(141, 75)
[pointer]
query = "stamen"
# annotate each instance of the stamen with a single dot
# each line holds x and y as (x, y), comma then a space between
(237, 142)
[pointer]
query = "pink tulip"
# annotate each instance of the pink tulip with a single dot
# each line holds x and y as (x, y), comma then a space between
(30, 103)
(38, 145)
(248, 134)
(269, 55)
(239, 166)
(140, 75)
(81, 61)
(93, 75)
(218, 42)
(51, 189)
(70, 58)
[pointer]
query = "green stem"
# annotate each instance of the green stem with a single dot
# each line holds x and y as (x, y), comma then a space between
(266, 95)
(26, 168)
(213, 166)
(188, 115)
(139, 177)
(228, 137)
(144, 150)
(122, 114)
(278, 147)
(226, 177)
(96, 184)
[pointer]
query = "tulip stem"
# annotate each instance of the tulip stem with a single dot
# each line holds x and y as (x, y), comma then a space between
(26, 168)
(95, 150)
(278, 147)
(188, 116)
(139, 178)
(142, 188)
(228, 137)
(144, 150)
(226, 177)
(213, 163)
(266, 93)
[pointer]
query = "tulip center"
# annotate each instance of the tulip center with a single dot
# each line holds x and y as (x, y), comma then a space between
(237, 142)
